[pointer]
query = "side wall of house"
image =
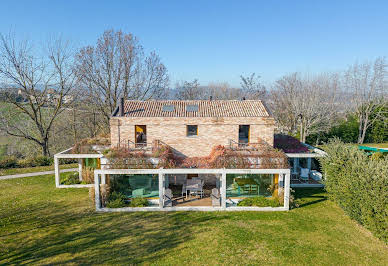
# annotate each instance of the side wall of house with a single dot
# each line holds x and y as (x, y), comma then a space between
(211, 131)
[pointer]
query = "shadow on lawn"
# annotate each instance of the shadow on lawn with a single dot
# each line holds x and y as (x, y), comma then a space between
(123, 238)
(309, 196)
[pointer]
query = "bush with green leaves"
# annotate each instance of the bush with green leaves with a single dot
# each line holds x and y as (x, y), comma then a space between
(259, 201)
(359, 184)
(116, 200)
(70, 178)
(13, 162)
(138, 202)
(8, 162)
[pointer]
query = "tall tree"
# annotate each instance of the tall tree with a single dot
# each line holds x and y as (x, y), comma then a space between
(252, 87)
(306, 105)
(367, 83)
(223, 91)
(186, 90)
(117, 67)
(35, 73)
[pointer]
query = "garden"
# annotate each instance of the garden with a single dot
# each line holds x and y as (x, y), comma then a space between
(60, 226)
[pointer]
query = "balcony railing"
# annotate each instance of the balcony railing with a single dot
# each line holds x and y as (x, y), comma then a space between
(249, 146)
(146, 146)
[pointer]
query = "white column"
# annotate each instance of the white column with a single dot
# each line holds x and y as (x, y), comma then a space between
(56, 167)
(80, 169)
(287, 191)
(161, 189)
(97, 191)
(309, 163)
(296, 164)
(223, 190)
(103, 162)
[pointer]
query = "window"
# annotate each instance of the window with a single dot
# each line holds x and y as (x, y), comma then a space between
(192, 130)
(168, 108)
(243, 134)
(192, 108)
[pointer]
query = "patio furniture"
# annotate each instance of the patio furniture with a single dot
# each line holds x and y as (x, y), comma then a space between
(194, 185)
(317, 176)
(246, 185)
(304, 174)
(216, 197)
(167, 197)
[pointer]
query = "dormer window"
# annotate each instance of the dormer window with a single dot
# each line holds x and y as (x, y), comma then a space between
(168, 108)
(192, 108)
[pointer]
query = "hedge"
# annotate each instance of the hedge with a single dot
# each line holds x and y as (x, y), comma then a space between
(359, 184)
(13, 162)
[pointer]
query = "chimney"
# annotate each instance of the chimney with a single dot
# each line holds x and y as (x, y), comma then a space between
(121, 106)
(211, 98)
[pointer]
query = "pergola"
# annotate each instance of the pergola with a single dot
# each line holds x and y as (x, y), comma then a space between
(100, 178)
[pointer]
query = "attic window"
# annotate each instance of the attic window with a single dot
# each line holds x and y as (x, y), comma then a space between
(168, 108)
(192, 108)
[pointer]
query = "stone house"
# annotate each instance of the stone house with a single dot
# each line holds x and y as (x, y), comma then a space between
(219, 153)
(191, 128)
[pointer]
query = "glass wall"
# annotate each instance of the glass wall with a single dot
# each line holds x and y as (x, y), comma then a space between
(249, 185)
(136, 186)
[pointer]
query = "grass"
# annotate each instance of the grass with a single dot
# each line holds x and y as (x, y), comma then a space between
(43, 225)
(376, 145)
(15, 171)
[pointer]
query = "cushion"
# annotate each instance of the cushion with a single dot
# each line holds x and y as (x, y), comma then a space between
(138, 192)
(304, 172)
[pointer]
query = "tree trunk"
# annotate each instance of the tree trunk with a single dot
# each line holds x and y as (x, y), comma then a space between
(45, 148)
(360, 122)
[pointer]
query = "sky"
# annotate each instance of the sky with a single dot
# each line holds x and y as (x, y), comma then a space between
(217, 41)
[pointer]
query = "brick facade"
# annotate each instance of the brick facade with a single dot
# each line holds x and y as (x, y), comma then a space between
(211, 131)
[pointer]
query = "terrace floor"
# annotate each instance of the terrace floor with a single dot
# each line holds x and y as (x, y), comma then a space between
(194, 201)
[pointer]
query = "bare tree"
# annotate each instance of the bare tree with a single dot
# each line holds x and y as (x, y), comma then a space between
(306, 105)
(367, 83)
(186, 90)
(252, 87)
(34, 74)
(117, 67)
(223, 91)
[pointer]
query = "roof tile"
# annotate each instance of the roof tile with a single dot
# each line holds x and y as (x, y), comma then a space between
(206, 108)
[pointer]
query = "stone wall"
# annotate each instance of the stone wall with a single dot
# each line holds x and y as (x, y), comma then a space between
(211, 131)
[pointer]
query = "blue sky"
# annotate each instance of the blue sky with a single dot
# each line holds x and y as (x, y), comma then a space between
(219, 40)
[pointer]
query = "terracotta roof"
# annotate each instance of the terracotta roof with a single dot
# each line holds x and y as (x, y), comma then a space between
(206, 108)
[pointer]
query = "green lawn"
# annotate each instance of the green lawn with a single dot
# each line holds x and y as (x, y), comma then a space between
(14, 171)
(43, 225)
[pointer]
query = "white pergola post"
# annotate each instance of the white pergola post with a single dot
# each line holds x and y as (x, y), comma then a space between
(309, 163)
(161, 190)
(56, 168)
(223, 189)
(80, 169)
(287, 191)
(97, 191)
(296, 164)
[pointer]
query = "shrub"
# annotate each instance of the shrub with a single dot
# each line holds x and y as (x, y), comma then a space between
(25, 162)
(70, 179)
(8, 162)
(88, 175)
(116, 200)
(358, 184)
(138, 202)
(43, 161)
(377, 156)
(259, 201)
